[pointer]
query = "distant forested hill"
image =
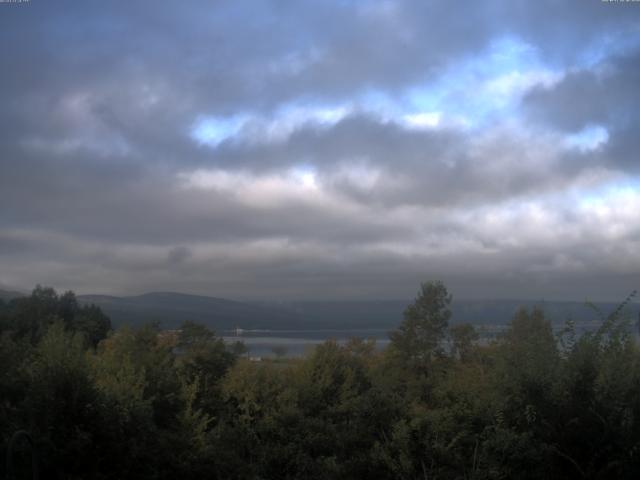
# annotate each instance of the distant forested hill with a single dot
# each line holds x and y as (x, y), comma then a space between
(7, 295)
(170, 309)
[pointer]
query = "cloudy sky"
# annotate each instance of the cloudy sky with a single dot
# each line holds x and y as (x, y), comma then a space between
(321, 149)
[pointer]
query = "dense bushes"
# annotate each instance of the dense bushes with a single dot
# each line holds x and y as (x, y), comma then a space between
(141, 403)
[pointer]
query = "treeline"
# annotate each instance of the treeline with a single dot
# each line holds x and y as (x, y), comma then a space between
(436, 404)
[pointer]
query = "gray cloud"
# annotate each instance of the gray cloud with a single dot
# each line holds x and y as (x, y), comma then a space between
(179, 254)
(604, 96)
(103, 187)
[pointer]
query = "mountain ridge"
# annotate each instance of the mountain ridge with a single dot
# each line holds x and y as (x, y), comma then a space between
(7, 295)
(171, 308)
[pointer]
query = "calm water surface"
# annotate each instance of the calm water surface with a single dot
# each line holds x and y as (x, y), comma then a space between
(297, 343)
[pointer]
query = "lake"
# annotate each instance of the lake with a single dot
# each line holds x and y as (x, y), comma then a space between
(298, 343)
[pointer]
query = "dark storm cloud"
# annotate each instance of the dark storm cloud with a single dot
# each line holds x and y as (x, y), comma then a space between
(99, 172)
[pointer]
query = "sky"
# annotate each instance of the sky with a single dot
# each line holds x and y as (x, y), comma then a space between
(329, 149)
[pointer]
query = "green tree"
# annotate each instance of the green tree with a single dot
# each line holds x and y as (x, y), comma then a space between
(344, 414)
(92, 322)
(203, 360)
(463, 338)
(280, 351)
(203, 354)
(62, 404)
(424, 327)
(30, 317)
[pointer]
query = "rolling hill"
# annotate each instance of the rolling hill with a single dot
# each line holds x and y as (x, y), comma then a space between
(7, 295)
(171, 309)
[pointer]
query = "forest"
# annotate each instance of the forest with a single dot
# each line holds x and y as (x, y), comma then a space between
(437, 403)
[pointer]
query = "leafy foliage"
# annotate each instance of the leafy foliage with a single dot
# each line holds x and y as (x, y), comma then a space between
(424, 328)
(437, 403)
